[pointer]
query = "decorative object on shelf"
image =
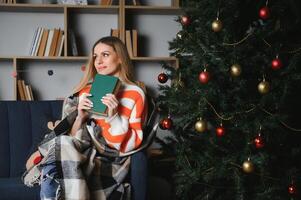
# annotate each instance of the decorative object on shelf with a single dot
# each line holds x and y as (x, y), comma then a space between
(50, 72)
(276, 63)
(264, 87)
(235, 70)
(14, 74)
(200, 126)
(217, 25)
(204, 76)
(162, 77)
(83, 68)
(248, 166)
(73, 2)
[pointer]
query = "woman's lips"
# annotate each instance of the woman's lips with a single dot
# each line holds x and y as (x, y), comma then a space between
(101, 67)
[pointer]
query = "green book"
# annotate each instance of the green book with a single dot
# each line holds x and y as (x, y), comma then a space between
(101, 86)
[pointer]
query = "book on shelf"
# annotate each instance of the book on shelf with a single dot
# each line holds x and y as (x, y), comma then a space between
(128, 42)
(105, 2)
(43, 42)
(54, 40)
(49, 41)
(136, 2)
(21, 91)
(135, 42)
(59, 44)
(73, 45)
(102, 85)
(115, 32)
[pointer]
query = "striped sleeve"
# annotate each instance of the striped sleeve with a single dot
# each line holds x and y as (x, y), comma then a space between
(124, 129)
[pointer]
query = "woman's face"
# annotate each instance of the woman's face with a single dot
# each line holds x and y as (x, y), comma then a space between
(106, 60)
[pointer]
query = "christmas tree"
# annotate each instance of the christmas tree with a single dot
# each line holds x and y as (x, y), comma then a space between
(230, 102)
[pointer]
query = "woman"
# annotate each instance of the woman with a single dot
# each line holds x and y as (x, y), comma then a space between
(72, 168)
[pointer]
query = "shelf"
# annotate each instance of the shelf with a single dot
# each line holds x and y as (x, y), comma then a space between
(154, 59)
(158, 10)
(56, 8)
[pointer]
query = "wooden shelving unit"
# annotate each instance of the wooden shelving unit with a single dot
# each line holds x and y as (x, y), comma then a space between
(75, 17)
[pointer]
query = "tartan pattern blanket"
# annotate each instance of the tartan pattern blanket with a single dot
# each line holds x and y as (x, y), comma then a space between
(87, 167)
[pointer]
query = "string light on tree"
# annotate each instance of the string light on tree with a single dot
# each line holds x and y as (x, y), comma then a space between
(263, 87)
(200, 126)
(162, 77)
(235, 70)
(185, 20)
(248, 166)
(276, 63)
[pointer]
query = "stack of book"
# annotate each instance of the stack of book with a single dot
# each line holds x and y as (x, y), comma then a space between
(7, 1)
(47, 42)
(24, 91)
(131, 41)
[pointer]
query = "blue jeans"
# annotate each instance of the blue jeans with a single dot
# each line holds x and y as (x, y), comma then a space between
(49, 183)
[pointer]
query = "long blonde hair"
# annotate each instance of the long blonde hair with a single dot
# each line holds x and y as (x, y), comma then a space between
(126, 68)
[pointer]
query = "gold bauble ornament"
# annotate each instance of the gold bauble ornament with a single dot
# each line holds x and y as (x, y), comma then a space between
(235, 70)
(264, 87)
(200, 126)
(248, 166)
(217, 25)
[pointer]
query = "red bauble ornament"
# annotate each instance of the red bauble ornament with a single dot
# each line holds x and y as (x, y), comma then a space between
(220, 131)
(204, 77)
(259, 141)
(292, 189)
(166, 123)
(276, 64)
(264, 12)
(162, 78)
(185, 20)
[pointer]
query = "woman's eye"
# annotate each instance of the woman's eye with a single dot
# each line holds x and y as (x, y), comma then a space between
(105, 54)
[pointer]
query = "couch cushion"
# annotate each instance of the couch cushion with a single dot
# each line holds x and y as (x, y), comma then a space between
(22, 125)
(14, 189)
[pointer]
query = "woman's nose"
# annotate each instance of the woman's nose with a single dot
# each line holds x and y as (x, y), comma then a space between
(98, 60)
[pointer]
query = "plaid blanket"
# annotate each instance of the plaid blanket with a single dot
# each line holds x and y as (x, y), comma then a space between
(87, 167)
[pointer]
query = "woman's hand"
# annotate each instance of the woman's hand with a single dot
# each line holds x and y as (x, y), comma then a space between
(111, 101)
(84, 104)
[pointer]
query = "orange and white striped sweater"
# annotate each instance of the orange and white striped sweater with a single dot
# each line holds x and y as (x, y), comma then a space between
(123, 131)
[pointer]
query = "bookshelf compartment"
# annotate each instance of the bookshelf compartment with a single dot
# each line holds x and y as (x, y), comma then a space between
(65, 76)
(18, 28)
(152, 39)
(7, 80)
(88, 28)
